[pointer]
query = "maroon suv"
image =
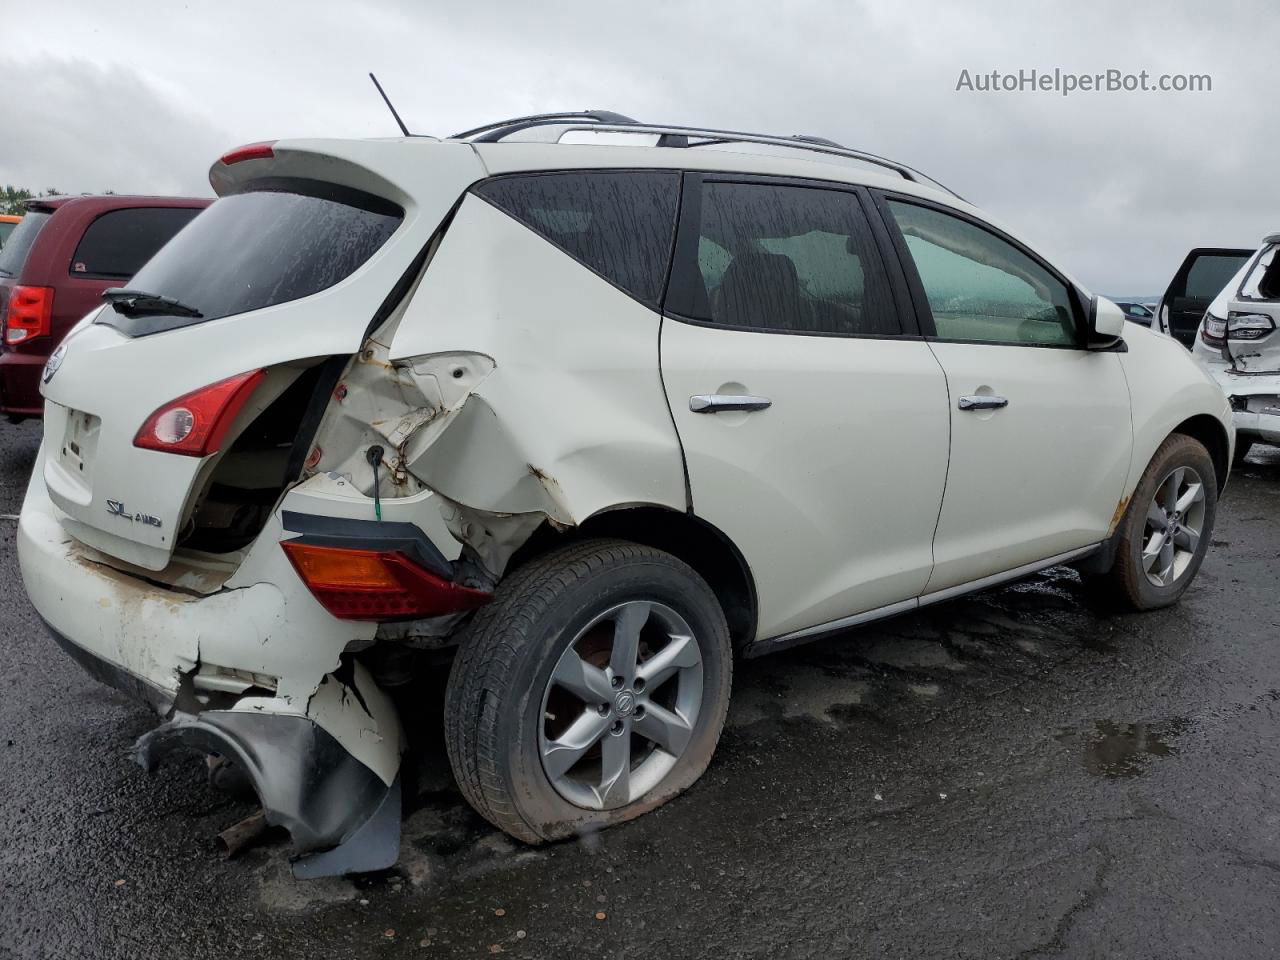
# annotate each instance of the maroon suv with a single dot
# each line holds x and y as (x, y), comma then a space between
(54, 267)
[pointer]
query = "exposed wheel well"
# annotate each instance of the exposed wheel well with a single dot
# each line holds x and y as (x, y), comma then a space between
(1210, 432)
(687, 537)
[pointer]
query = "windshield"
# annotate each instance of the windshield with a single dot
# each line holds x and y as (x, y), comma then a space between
(278, 241)
(19, 243)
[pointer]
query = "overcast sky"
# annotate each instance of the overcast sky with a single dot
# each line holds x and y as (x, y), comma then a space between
(138, 96)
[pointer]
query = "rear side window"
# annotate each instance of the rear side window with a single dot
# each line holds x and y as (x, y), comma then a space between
(117, 243)
(6, 228)
(787, 259)
(620, 224)
(277, 241)
(20, 242)
(1263, 281)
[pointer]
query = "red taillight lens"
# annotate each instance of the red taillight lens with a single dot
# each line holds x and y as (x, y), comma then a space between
(194, 425)
(377, 584)
(29, 315)
(250, 151)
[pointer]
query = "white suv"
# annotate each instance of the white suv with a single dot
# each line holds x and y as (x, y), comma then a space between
(601, 415)
(1238, 343)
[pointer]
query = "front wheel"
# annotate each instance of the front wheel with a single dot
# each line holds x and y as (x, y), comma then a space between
(593, 689)
(1166, 530)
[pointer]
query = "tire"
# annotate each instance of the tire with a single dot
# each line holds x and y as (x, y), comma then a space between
(503, 711)
(1242, 450)
(1128, 580)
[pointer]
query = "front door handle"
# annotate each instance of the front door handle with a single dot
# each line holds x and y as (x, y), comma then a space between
(983, 403)
(723, 402)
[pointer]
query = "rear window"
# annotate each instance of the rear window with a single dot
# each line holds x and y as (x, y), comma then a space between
(118, 243)
(19, 244)
(620, 224)
(277, 241)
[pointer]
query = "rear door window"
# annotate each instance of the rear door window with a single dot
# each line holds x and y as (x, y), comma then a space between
(117, 243)
(1209, 274)
(620, 224)
(277, 241)
(784, 258)
(6, 228)
(20, 242)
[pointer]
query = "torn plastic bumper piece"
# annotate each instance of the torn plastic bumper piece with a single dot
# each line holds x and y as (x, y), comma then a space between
(342, 817)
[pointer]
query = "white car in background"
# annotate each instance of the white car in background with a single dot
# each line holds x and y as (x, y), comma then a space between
(1238, 343)
(600, 416)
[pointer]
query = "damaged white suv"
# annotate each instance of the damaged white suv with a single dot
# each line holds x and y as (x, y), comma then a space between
(1238, 343)
(600, 415)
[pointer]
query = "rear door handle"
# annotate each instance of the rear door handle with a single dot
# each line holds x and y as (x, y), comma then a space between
(722, 402)
(983, 403)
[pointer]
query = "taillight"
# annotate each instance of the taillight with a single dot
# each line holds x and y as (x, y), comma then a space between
(29, 315)
(377, 584)
(194, 424)
(250, 151)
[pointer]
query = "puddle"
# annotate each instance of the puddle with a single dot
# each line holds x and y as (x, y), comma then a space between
(1117, 750)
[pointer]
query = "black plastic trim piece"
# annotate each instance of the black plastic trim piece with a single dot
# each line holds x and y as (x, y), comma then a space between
(349, 533)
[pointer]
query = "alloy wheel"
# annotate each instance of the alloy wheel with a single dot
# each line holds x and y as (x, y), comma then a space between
(621, 705)
(1175, 521)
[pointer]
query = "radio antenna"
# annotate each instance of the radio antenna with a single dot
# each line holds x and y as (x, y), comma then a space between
(387, 101)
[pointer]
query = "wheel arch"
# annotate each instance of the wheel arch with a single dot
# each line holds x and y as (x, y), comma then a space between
(1209, 431)
(703, 546)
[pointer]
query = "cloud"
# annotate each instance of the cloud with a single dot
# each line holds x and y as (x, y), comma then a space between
(1115, 186)
(86, 128)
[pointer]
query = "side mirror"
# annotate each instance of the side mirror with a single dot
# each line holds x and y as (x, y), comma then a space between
(1106, 324)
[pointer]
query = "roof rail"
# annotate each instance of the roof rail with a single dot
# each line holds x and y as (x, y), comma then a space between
(556, 125)
(493, 132)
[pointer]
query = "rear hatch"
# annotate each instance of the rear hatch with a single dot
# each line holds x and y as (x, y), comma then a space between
(290, 265)
(1252, 336)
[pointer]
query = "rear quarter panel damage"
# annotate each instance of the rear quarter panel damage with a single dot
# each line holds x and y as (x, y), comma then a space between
(527, 390)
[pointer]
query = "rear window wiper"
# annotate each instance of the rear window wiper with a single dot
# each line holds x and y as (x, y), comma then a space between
(139, 303)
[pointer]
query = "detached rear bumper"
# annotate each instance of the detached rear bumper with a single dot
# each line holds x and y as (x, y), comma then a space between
(323, 754)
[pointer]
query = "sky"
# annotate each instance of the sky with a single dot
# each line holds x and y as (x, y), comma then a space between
(1115, 187)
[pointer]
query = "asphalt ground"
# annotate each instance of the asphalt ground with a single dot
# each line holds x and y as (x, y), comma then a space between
(1017, 774)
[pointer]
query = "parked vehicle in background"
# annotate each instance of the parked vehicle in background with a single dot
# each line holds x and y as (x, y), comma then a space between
(1137, 312)
(598, 418)
(54, 267)
(1239, 344)
(7, 223)
(1203, 273)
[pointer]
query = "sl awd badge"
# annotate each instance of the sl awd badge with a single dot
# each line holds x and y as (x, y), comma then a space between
(117, 509)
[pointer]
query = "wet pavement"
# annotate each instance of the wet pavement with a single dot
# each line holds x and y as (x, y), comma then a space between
(1012, 775)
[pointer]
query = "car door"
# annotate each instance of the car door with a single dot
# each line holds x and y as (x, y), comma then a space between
(811, 414)
(1204, 272)
(1040, 426)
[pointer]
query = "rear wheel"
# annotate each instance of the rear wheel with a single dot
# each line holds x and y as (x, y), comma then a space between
(1166, 530)
(593, 689)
